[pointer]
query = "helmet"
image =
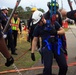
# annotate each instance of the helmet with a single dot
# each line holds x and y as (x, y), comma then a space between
(36, 17)
(34, 9)
(4, 7)
(52, 4)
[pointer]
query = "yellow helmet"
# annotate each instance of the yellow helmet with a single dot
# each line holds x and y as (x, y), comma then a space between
(34, 9)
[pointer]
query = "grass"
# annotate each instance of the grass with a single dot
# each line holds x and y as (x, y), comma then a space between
(23, 59)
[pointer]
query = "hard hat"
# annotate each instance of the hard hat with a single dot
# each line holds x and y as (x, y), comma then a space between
(34, 9)
(4, 8)
(52, 4)
(36, 17)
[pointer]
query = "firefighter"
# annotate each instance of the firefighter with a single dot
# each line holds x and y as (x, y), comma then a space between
(51, 43)
(15, 23)
(31, 28)
(3, 47)
(9, 39)
(59, 20)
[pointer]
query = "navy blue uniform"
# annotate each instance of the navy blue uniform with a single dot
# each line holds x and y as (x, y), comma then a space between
(3, 21)
(59, 20)
(0, 26)
(50, 47)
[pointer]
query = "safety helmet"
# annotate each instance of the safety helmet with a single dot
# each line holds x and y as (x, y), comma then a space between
(34, 9)
(4, 8)
(52, 4)
(36, 17)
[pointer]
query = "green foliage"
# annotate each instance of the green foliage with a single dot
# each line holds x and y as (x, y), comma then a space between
(24, 13)
(41, 10)
(10, 10)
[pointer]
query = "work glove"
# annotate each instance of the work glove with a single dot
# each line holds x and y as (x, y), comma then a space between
(9, 61)
(4, 36)
(53, 32)
(33, 56)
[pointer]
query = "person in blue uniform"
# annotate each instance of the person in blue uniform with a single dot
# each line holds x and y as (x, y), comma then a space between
(4, 49)
(59, 20)
(51, 43)
(9, 39)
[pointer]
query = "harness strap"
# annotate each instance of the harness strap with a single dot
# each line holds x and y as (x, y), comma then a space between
(48, 45)
(59, 46)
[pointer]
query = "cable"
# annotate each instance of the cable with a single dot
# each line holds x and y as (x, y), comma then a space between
(36, 68)
(14, 66)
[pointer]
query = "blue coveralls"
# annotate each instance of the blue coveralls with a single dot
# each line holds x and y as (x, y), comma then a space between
(3, 21)
(50, 47)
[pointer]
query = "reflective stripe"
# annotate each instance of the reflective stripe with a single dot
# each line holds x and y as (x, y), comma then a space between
(15, 25)
(14, 28)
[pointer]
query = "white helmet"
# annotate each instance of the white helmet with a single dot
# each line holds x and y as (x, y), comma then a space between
(4, 7)
(37, 15)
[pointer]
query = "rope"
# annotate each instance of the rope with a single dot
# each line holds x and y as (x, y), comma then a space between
(34, 68)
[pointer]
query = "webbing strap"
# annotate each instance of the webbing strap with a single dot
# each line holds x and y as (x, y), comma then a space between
(52, 11)
(59, 46)
(48, 45)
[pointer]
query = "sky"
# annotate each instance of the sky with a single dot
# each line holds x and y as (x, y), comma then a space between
(37, 3)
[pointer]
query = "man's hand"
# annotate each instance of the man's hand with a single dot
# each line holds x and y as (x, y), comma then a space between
(33, 56)
(9, 61)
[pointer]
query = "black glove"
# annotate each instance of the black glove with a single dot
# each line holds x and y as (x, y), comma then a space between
(53, 32)
(33, 56)
(9, 61)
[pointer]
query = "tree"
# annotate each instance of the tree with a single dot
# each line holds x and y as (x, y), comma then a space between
(9, 12)
(20, 9)
(23, 13)
(41, 10)
(28, 9)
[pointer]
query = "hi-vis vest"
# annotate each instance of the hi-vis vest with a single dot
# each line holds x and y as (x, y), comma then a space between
(15, 24)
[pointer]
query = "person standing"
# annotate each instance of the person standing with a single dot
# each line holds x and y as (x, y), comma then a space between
(15, 22)
(59, 20)
(31, 28)
(3, 47)
(9, 39)
(51, 43)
